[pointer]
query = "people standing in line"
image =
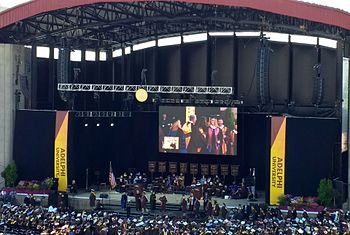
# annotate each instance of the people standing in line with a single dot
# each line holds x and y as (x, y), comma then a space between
(138, 200)
(205, 200)
(191, 200)
(196, 207)
(153, 201)
(216, 211)
(223, 211)
(92, 198)
(143, 201)
(209, 208)
(183, 204)
(124, 201)
(163, 200)
(73, 187)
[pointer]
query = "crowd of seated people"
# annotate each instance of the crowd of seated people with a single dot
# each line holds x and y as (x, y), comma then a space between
(29, 219)
(170, 184)
(213, 186)
(128, 182)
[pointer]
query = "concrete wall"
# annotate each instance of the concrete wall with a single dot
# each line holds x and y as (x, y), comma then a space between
(14, 61)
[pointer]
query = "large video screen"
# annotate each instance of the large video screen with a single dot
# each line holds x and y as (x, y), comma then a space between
(198, 130)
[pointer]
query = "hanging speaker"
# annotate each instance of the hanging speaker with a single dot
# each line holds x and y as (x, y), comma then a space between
(262, 72)
(62, 70)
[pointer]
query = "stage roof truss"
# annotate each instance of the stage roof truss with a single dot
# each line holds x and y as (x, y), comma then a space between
(102, 114)
(106, 25)
(207, 90)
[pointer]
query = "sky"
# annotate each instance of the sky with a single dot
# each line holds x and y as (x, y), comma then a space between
(340, 4)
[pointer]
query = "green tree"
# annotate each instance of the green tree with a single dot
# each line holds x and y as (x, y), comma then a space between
(325, 192)
(10, 174)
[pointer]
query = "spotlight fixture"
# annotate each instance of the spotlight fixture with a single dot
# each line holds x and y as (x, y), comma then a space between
(86, 124)
(112, 124)
(97, 124)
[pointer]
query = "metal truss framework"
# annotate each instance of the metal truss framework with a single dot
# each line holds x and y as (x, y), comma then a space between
(103, 25)
(226, 102)
(102, 114)
(206, 90)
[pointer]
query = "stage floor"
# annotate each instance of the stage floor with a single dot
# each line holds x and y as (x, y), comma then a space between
(81, 200)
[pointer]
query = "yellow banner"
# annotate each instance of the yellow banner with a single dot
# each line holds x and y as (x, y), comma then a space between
(61, 139)
(277, 158)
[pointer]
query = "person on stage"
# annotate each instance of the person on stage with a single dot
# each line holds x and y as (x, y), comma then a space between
(223, 211)
(216, 211)
(144, 201)
(233, 141)
(138, 200)
(196, 207)
(225, 139)
(197, 140)
(176, 131)
(183, 205)
(124, 201)
(92, 198)
(191, 201)
(153, 201)
(73, 187)
(209, 208)
(163, 200)
(214, 137)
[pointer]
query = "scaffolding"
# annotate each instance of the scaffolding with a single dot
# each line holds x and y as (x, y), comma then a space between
(161, 89)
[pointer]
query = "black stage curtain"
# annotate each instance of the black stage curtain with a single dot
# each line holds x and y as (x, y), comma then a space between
(33, 146)
(132, 142)
(309, 153)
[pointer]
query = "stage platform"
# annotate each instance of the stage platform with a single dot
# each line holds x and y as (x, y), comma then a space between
(81, 200)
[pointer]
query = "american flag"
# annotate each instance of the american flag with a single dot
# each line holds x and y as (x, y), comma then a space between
(112, 181)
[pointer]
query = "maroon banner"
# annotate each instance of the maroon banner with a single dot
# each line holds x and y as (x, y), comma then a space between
(194, 168)
(234, 170)
(214, 169)
(224, 169)
(183, 167)
(204, 169)
(161, 167)
(151, 166)
(173, 167)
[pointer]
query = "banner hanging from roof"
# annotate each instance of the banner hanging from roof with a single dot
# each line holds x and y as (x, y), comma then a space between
(277, 158)
(60, 153)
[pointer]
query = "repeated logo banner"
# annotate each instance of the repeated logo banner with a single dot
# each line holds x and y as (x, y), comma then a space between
(214, 169)
(204, 169)
(152, 166)
(224, 169)
(60, 153)
(161, 167)
(183, 167)
(173, 167)
(277, 158)
(193, 168)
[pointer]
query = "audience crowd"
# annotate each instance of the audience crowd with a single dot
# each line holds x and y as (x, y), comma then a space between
(29, 219)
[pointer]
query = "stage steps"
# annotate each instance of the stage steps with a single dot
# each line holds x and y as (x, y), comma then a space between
(132, 205)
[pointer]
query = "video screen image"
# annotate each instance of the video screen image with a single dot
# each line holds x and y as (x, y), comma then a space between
(198, 130)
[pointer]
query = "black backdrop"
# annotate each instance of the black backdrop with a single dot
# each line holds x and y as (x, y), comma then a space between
(291, 75)
(33, 146)
(132, 142)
